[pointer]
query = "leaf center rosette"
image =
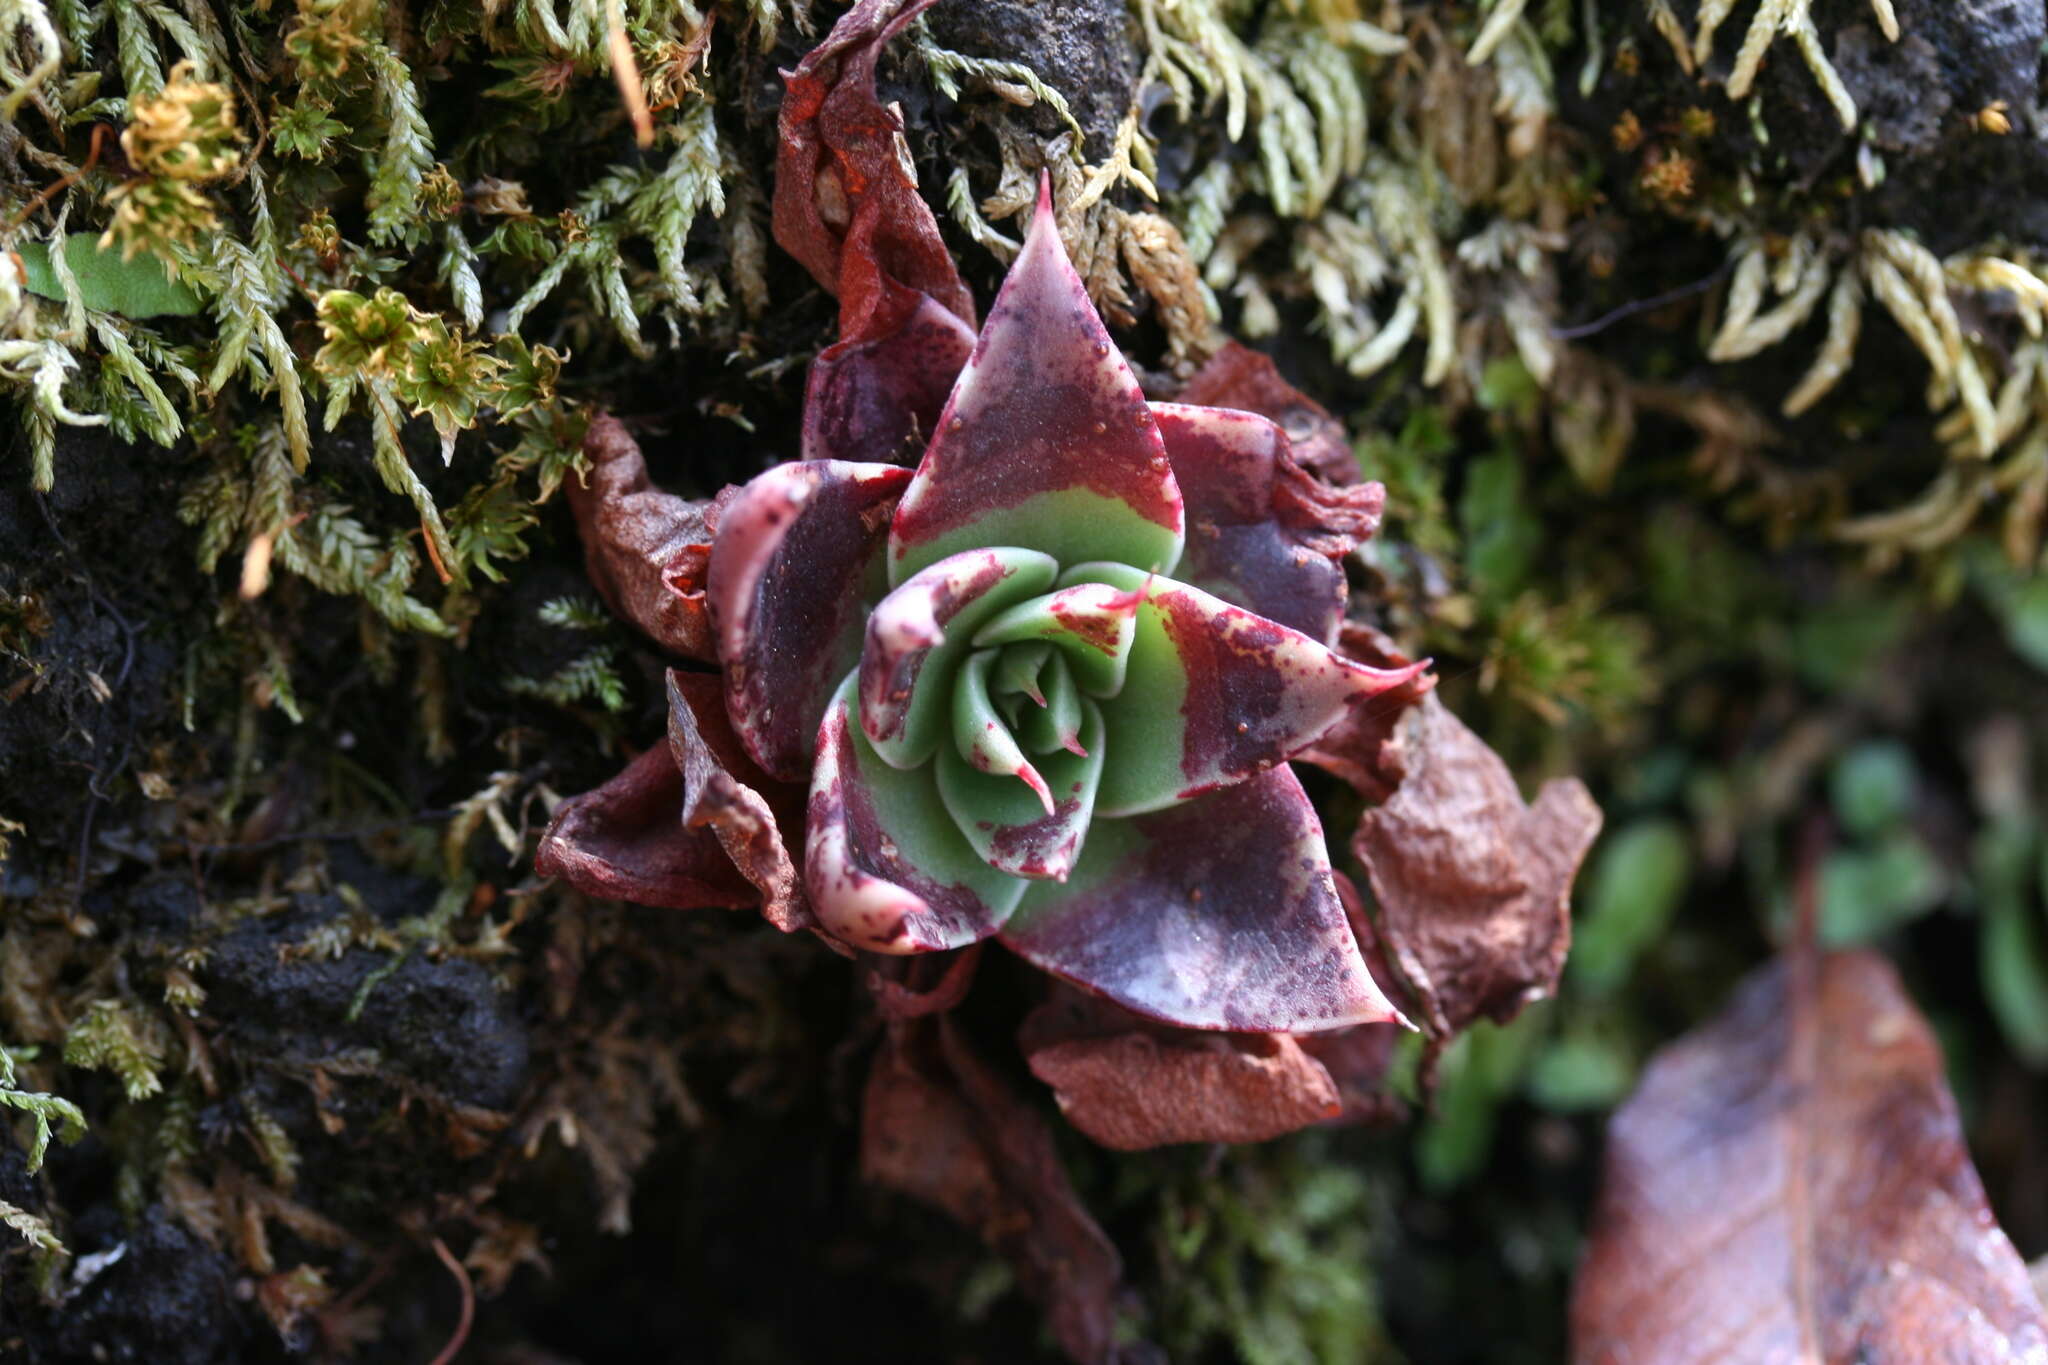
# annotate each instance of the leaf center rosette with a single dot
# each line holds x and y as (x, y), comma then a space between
(1044, 688)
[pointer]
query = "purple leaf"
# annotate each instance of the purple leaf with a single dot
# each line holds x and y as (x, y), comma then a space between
(1239, 480)
(794, 552)
(878, 397)
(1216, 914)
(915, 639)
(886, 867)
(1239, 377)
(1047, 441)
(626, 841)
(725, 793)
(1215, 694)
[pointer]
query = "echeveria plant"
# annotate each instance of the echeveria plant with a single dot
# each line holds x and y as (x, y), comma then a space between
(1045, 687)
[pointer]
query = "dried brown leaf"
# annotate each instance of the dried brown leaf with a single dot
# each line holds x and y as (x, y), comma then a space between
(626, 841)
(753, 816)
(645, 550)
(940, 1126)
(1789, 1183)
(1130, 1083)
(1474, 887)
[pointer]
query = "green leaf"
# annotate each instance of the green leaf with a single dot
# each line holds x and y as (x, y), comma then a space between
(138, 287)
(1637, 881)
(1865, 894)
(1872, 787)
(1579, 1072)
(1502, 533)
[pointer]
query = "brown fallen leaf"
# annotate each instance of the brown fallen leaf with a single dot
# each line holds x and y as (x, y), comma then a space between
(1131, 1083)
(939, 1125)
(645, 550)
(1789, 1183)
(1474, 887)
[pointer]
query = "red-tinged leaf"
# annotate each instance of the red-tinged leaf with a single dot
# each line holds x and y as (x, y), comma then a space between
(1262, 533)
(1474, 887)
(1047, 441)
(1362, 747)
(626, 841)
(917, 635)
(796, 551)
(646, 551)
(846, 202)
(939, 1125)
(877, 397)
(1091, 624)
(1004, 821)
(752, 815)
(1130, 1083)
(1239, 377)
(1789, 1183)
(886, 867)
(1214, 694)
(1216, 914)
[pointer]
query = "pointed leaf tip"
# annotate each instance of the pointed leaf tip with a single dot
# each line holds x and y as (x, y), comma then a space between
(1047, 441)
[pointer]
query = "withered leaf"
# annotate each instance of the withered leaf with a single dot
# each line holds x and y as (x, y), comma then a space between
(626, 841)
(940, 1126)
(1474, 887)
(846, 201)
(1131, 1083)
(645, 550)
(1789, 1183)
(754, 817)
(1361, 747)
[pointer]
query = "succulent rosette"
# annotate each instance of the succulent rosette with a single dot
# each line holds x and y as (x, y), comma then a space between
(1043, 688)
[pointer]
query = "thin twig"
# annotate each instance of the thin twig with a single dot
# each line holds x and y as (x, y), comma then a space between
(461, 1335)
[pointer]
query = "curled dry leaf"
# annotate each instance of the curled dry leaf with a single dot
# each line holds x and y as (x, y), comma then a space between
(725, 792)
(937, 1124)
(646, 551)
(1360, 748)
(627, 840)
(1130, 1083)
(1474, 887)
(1789, 1183)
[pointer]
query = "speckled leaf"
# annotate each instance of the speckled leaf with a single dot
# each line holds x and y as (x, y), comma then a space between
(1216, 914)
(886, 866)
(795, 552)
(128, 286)
(1239, 377)
(1214, 694)
(917, 634)
(1047, 441)
(1004, 822)
(1234, 471)
(1092, 623)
